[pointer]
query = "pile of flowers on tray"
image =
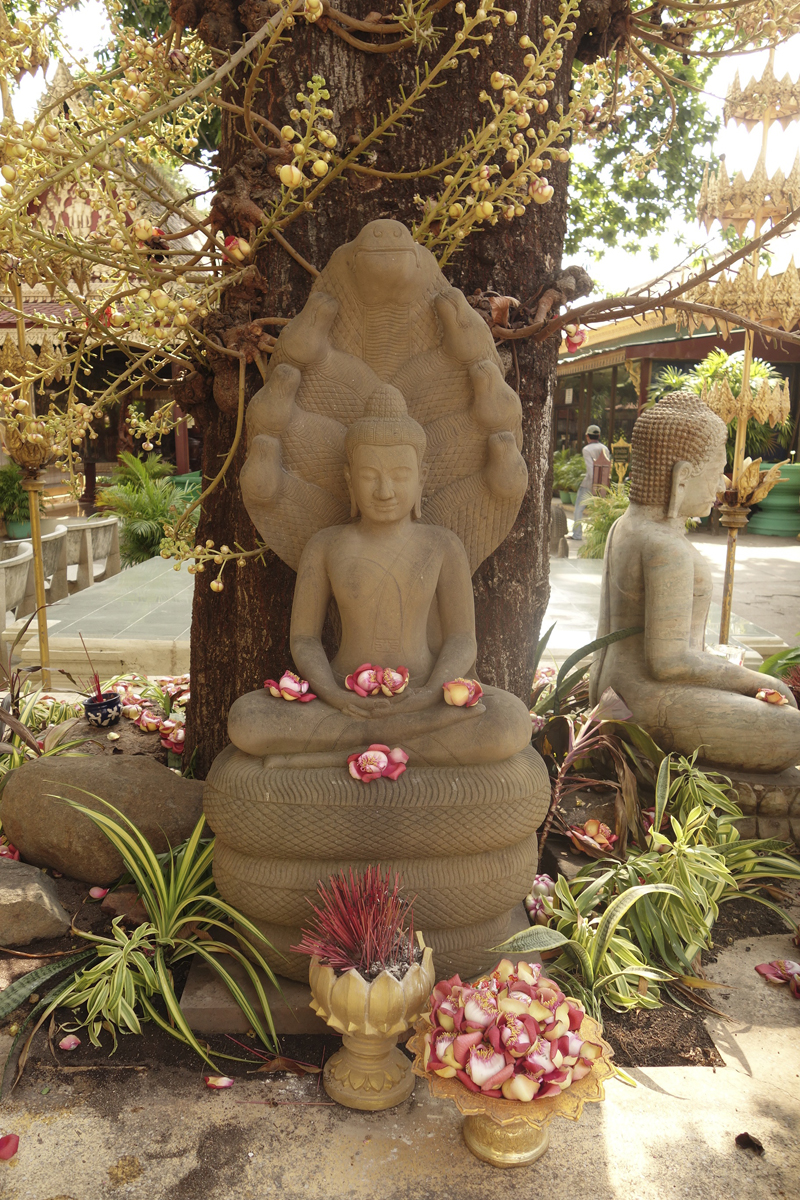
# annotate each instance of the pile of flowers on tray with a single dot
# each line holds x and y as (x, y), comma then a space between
(511, 1034)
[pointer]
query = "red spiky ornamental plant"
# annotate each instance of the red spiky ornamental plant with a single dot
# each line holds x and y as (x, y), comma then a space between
(362, 924)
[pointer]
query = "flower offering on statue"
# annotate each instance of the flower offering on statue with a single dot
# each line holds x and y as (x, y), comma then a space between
(368, 680)
(377, 762)
(770, 696)
(513, 1034)
(290, 687)
(462, 693)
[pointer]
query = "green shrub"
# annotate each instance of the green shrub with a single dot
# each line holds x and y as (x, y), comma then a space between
(14, 504)
(145, 503)
(599, 515)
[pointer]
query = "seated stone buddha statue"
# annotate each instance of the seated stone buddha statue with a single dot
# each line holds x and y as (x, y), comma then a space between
(384, 570)
(383, 465)
(653, 577)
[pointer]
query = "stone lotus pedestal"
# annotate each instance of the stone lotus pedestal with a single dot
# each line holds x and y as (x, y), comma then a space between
(462, 838)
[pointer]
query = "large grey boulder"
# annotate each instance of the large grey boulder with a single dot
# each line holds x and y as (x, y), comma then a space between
(50, 833)
(29, 905)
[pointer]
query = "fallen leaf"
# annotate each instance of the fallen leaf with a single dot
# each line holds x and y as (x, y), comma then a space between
(746, 1141)
(124, 902)
(500, 306)
(288, 1064)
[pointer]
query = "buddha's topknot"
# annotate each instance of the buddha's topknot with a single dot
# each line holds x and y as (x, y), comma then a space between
(679, 427)
(385, 422)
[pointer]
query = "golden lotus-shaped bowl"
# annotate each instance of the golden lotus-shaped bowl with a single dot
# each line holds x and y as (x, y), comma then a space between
(383, 1008)
(369, 1072)
(510, 1133)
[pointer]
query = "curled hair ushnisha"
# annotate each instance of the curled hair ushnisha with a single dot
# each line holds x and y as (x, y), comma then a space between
(680, 427)
(385, 422)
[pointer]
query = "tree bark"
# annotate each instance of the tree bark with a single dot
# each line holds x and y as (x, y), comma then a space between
(241, 635)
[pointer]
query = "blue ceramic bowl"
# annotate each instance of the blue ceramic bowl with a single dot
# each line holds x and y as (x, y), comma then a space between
(103, 712)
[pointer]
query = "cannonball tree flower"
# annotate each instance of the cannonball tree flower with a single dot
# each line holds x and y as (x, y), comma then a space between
(593, 835)
(237, 249)
(149, 721)
(290, 687)
(365, 680)
(770, 696)
(462, 693)
(9, 851)
(541, 889)
(575, 336)
(70, 1042)
(394, 680)
(377, 762)
(218, 1082)
(782, 970)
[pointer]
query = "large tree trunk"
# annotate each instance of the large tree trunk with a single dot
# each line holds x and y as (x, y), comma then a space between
(241, 636)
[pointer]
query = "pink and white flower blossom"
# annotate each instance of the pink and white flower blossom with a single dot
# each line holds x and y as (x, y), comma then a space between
(480, 1010)
(485, 1064)
(98, 893)
(365, 680)
(575, 336)
(462, 693)
(377, 762)
(290, 687)
(393, 680)
(218, 1081)
(9, 851)
(70, 1042)
(782, 970)
(771, 696)
(541, 890)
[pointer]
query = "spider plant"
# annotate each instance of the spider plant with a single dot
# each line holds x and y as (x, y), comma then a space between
(600, 962)
(131, 979)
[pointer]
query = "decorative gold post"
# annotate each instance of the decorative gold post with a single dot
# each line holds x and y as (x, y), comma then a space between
(737, 203)
(34, 487)
(28, 444)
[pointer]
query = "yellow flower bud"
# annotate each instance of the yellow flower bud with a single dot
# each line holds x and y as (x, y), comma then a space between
(289, 176)
(320, 168)
(287, 133)
(498, 80)
(456, 211)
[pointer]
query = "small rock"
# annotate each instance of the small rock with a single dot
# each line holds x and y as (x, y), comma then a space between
(49, 832)
(29, 905)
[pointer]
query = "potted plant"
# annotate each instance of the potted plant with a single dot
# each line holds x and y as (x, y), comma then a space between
(370, 978)
(14, 502)
(100, 708)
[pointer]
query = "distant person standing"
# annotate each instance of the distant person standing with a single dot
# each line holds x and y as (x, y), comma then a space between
(592, 451)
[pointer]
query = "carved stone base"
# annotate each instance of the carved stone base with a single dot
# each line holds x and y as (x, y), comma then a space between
(770, 803)
(512, 1145)
(368, 1073)
(463, 840)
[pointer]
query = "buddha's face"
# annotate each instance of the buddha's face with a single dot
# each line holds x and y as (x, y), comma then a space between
(385, 481)
(700, 490)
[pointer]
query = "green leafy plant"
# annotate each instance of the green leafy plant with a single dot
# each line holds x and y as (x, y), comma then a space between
(599, 515)
(761, 439)
(14, 500)
(129, 468)
(600, 962)
(131, 979)
(568, 471)
(146, 505)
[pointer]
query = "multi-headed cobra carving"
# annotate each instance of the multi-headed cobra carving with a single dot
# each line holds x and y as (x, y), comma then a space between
(382, 312)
